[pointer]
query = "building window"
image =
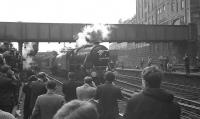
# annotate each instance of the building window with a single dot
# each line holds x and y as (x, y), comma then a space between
(145, 3)
(177, 6)
(164, 8)
(182, 4)
(173, 5)
(159, 10)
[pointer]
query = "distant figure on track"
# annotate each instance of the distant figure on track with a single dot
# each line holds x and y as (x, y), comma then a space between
(187, 64)
(149, 62)
(48, 104)
(153, 102)
(142, 63)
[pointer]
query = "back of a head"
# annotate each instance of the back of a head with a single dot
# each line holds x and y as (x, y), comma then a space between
(152, 76)
(88, 80)
(51, 85)
(32, 78)
(42, 75)
(6, 43)
(71, 75)
(77, 109)
(109, 76)
(4, 68)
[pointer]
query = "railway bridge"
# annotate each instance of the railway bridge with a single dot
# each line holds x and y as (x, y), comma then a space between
(65, 32)
(184, 36)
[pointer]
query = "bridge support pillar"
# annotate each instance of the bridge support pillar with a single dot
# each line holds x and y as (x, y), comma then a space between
(20, 46)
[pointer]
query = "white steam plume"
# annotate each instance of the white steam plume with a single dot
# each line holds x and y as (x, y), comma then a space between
(28, 47)
(93, 33)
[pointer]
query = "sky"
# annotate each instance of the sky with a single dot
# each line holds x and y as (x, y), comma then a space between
(66, 11)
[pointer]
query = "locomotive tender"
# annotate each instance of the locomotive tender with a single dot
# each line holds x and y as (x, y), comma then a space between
(83, 61)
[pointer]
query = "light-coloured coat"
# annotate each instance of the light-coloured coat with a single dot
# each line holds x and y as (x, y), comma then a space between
(85, 92)
(47, 105)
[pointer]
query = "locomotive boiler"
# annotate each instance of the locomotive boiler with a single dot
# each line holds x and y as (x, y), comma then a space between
(83, 61)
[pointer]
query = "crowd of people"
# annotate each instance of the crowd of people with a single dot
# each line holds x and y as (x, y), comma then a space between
(82, 100)
(9, 77)
(91, 101)
(171, 64)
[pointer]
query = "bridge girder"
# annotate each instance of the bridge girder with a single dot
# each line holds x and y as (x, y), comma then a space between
(66, 32)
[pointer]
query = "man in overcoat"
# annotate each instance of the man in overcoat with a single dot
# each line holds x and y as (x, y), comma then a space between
(153, 102)
(48, 104)
(69, 87)
(108, 95)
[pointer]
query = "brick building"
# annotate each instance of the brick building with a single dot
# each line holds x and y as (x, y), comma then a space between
(165, 12)
(170, 12)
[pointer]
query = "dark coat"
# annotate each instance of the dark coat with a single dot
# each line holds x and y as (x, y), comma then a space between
(108, 94)
(152, 104)
(36, 88)
(69, 89)
(27, 91)
(47, 105)
(7, 87)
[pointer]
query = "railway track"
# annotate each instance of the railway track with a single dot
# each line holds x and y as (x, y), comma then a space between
(177, 89)
(189, 109)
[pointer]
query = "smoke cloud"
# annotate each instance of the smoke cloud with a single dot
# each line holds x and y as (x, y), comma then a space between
(95, 33)
(28, 47)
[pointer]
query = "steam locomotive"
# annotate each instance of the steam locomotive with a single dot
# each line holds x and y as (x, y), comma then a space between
(85, 60)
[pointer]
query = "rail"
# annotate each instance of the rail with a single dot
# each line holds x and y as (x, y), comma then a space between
(188, 90)
(186, 107)
(50, 77)
(193, 88)
(189, 109)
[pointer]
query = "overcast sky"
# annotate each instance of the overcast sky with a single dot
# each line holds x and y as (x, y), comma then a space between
(66, 11)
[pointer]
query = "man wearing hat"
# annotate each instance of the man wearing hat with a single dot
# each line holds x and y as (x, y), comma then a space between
(153, 102)
(37, 88)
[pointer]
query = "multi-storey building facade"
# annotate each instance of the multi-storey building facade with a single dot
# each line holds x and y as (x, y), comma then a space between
(164, 12)
(168, 12)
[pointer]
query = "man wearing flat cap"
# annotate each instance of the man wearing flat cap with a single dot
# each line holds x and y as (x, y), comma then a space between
(153, 102)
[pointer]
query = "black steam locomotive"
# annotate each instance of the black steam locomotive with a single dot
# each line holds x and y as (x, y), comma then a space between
(85, 60)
